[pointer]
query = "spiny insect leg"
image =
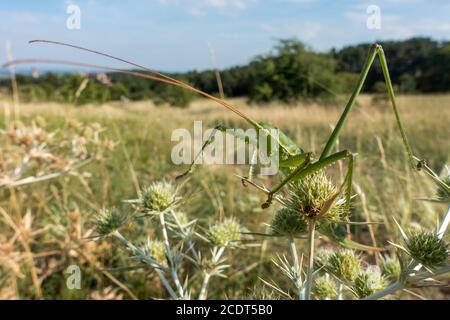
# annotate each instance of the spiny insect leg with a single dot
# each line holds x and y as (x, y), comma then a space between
(304, 170)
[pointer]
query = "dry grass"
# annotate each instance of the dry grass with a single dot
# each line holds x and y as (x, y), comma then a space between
(384, 183)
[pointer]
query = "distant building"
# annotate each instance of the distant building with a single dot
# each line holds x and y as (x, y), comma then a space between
(35, 73)
(103, 79)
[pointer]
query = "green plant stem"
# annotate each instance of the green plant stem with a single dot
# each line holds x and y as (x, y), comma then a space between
(173, 269)
(309, 275)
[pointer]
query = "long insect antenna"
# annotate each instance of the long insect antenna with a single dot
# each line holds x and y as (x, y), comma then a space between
(109, 56)
(160, 77)
(88, 65)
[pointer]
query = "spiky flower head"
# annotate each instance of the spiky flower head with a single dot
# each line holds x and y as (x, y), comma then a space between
(157, 197)
(287, 222)
(427, 249)
(442, 193)
(390, 268)
(225, 234)
(325, 288)
(108, 221)
(345, 264)
(156, 250)
(261, 292)
(322, 256)
(368, 282)
(309, 197)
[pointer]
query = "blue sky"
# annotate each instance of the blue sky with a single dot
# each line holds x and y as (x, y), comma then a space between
(173, 35)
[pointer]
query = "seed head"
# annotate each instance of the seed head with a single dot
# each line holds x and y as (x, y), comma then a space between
(325, 288)
(157, 197)
(108, 221)
(225, 234)
(344, 264)
(390, 268)
(287, 222)
(322, 257)
(156, 250)
(309, 196)
(427, 249)
(368, 282)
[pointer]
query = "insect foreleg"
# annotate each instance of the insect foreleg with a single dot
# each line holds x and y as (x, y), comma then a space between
(210, 140)
(242, 136)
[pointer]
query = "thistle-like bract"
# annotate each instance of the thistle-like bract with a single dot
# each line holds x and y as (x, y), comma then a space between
(157, 197)
(181, 218)
(325, 288)
(287, 222)
(108, 221)
(441, 193)
(309, 196)
(390, 268)
(427, 249)
(345, 264)
(368, 282)
(225, 234)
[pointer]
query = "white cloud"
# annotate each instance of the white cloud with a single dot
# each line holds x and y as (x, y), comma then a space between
(302, 1)
(201, 7)
(305, 31)
(398, 27)
(391, 25)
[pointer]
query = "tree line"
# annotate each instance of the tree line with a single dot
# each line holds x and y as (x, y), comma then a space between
(290, 72)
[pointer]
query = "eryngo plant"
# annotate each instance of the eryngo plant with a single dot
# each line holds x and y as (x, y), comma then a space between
(325, 288)
(157, 197)
(109, 221)
(310, 198)
(313, 202)
(34, 153)
(443, 193)
(288, 222)
(368, 282)
(427, 248)
(390, 268)
(225, 234)
(172, 251)
(344, 264)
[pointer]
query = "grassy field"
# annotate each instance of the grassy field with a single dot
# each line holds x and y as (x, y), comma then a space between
(43, 224)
